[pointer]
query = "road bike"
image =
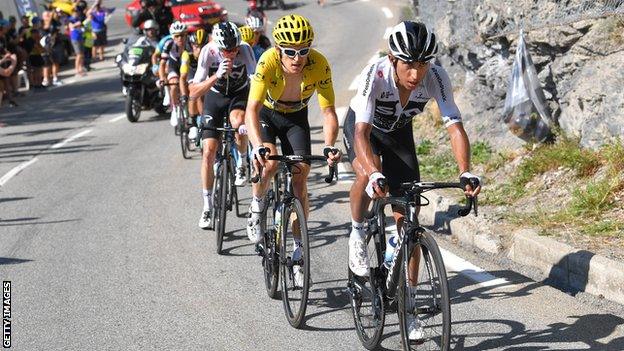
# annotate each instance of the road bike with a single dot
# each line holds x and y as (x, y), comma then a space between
(225, 195)
(182, 129)
(283, 219)
(428, 299)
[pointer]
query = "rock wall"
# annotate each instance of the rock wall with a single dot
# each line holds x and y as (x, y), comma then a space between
(580, 66)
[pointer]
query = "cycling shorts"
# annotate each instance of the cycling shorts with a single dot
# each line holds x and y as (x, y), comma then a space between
(399, 163)
(292, 129)
(217, 106)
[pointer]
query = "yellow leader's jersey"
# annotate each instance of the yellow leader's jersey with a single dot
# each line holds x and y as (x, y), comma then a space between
(268, 82)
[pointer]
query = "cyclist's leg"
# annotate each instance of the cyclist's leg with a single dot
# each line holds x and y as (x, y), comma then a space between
(237, 118)
(210, 144)
(359, 200)
(268, 133)
(401, 165)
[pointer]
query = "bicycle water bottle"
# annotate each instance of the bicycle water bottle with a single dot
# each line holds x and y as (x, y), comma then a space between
(390, 248)
(278, 219)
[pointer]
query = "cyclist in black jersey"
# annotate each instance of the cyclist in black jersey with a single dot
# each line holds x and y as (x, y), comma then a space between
(170, 58)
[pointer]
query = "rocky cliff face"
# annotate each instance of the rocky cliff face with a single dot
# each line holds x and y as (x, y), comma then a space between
(580, 65)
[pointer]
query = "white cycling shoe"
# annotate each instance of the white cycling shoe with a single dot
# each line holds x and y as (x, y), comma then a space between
(205, 221)
(241, 177)
(358, 257)
(254, 230)
(415, 330)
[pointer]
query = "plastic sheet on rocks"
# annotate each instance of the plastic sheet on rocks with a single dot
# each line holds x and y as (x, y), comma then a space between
(525, 110)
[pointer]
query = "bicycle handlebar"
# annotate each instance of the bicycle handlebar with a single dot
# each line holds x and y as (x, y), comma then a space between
(417, 188)
(293, 159)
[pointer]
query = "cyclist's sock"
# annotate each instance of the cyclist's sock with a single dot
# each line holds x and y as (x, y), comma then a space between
(241, 161)
(207, 195)
(357, 230)
(257, 204)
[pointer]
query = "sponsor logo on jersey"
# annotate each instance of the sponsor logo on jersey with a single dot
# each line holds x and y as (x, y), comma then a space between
(439, 79)
(367, 83)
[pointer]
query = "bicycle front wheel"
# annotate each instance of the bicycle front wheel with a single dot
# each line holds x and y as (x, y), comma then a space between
(427, 300)
(221, 204)
(294, 262)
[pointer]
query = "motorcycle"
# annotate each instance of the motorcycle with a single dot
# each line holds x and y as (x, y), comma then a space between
(139, 82)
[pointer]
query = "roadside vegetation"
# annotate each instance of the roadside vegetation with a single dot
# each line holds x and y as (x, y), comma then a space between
(559, 188)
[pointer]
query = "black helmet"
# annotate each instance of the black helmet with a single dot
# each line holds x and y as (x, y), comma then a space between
(412, 41)
(226, 35)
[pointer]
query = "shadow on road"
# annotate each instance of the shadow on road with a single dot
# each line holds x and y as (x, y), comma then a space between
(30, 221)
(8, 260)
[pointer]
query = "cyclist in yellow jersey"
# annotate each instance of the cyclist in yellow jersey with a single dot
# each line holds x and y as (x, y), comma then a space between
(286, 77)
(188, 66)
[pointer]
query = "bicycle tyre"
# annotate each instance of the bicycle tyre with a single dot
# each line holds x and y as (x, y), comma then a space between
(270, 260)
(133, 108)
(184, 144)
(222, 204)
(373, 286)
(294, 308)
(431, 298)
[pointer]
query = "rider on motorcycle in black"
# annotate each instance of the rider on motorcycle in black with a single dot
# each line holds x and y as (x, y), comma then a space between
(154, 10)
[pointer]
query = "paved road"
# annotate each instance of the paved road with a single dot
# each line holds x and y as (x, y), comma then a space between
(99, 235)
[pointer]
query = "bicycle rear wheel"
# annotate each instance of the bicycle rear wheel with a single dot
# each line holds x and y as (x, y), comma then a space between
(428, 299)
(295, 271)
(184, 143)
(221, 204)
(270, 260)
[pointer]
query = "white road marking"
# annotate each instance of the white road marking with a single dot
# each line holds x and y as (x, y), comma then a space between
(12, 173)
(115, 119)
(477, 274)
(365, 0)
(71, 138)
(354, 83)
(457, 264)
(341, 113)
(387, 12)
(387, 33)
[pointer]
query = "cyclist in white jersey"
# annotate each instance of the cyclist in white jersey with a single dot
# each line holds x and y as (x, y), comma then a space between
(223, 70)
(378, 132)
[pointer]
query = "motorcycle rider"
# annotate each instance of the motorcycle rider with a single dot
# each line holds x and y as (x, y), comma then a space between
(150, 36)
(154, 10)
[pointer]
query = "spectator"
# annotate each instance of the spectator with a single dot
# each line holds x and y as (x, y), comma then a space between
(77, 40)
(98, 15)
(88, 42)
(154, 10)
(8, 63)
(25, 25)
(32, 45)
(52, 57)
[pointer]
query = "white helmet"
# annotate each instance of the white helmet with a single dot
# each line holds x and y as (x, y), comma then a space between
(256, 23)
(177, 27)
(412, 41)
(150, 24)
(226, 35)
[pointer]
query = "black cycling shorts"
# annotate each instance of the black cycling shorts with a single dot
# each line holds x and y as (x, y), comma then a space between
(217, 105)
(398, 153)
(292, 129)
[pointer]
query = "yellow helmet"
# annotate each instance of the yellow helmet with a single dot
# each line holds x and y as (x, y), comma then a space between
(247, 34)
(293, 30)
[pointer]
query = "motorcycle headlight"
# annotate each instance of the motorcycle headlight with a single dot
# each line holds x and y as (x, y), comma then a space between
(132, 70)
(140, 69)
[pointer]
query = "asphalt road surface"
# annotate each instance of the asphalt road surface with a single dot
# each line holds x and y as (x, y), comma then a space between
(99, 236)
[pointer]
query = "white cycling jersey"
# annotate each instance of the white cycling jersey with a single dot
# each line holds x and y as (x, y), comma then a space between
(377, 99)
(243, 67)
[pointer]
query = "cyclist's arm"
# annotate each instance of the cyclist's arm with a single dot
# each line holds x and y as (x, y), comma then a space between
(363, 104)
(201, 82)
(184, 70)
(460, 146)
(162, 70)
(252, 122)
(451, 117)
(330, 125)
(257, 94)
